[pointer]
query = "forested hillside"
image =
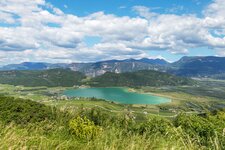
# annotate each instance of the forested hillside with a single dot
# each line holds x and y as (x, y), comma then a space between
(139, 78)
(50, 78)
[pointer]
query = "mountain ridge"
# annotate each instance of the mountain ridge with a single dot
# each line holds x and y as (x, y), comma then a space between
(189, 66)
(198, 66)
(96, 68)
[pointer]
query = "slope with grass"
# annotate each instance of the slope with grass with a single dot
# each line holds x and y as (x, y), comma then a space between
(22, 111)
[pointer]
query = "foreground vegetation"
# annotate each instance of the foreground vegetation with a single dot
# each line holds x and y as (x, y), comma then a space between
(64, 128)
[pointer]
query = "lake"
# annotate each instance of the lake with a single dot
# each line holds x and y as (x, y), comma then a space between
(119, 95)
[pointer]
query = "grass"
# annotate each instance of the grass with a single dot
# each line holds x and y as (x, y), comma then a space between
(13, 137)
(55, 135)
(120, 130)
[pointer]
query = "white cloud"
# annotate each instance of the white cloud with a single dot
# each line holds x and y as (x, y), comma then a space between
(178, 33)
(38, 31)
(144, 12)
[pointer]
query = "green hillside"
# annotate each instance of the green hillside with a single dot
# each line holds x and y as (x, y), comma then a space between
(50, 78)
(139, 78)
(22, 111)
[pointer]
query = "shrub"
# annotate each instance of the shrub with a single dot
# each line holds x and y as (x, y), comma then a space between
(83, 128)
(98, 116)
(196, 127)
(156, 125)
(218, 121)
(22, 111)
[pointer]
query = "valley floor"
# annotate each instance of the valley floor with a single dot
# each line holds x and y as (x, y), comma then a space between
(190, 99)
(129, 130)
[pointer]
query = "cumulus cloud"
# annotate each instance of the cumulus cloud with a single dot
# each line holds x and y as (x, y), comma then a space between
(178, 33)
(37, 31)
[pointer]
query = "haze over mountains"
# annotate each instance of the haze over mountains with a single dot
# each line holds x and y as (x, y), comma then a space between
(209, 66)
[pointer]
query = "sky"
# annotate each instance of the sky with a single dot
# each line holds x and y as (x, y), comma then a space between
(65, 31)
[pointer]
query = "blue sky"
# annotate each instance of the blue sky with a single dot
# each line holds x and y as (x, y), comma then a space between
(124, 7)
(95, 30)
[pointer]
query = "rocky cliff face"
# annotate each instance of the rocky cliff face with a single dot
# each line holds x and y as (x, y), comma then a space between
(97, 68)
(100, 68)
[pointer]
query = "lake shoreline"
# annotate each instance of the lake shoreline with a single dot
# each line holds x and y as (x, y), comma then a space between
(121, 95)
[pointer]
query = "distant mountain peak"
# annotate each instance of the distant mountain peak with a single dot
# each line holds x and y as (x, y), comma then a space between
(156, 61)
(199, 66)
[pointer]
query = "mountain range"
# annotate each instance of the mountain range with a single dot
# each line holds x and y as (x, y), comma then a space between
(97, 68)
(208, 66)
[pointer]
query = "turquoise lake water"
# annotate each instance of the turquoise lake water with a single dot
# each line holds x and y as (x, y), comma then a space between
(119, 95)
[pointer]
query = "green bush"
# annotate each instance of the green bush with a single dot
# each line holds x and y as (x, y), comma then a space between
(22, 111)
(98, 116)
(196, 127)
(156, 125)
(83, 128)
(218, 120)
